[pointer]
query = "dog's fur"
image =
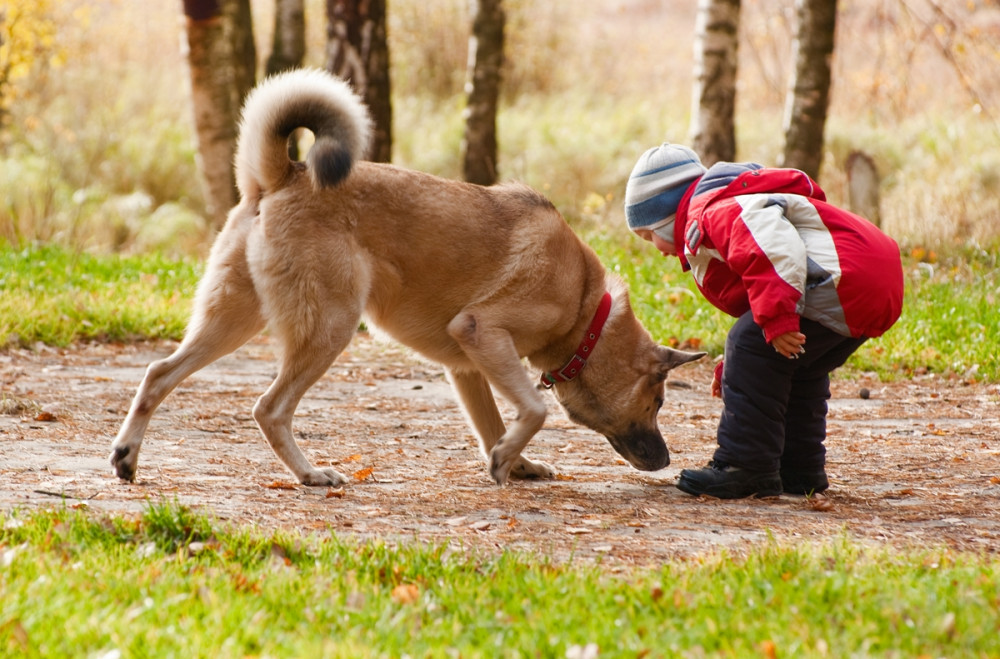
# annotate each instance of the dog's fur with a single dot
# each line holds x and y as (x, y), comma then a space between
(472, 277)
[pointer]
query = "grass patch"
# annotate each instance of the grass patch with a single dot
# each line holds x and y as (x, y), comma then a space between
(56, 296)
(77, 585)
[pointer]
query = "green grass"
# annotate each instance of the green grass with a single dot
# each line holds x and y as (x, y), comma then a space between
(56, 296)
(949, 324)
(172, 583)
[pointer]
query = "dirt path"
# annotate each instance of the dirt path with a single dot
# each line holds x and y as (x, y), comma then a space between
(917, 463)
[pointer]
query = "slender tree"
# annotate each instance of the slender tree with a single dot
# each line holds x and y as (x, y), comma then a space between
(358, 51)
(288, 48)
(809, 92)
(483, 88)
(221, 58)
(713, 132)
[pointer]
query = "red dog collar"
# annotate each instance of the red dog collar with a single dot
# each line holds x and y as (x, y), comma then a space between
(579, 359)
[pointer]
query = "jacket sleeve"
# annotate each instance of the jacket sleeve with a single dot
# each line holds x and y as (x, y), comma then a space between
(764, 249)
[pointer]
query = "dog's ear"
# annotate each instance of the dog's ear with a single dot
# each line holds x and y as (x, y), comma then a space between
(670, 358)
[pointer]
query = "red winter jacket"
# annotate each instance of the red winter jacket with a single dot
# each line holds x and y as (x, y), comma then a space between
(765, 240)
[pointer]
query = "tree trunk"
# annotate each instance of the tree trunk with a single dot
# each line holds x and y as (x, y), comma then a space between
(221, 58)
(809, 91)
(239, 34)
(483, 88)
(713, 132)
(288, 47)
(863, 187)
(357, 50)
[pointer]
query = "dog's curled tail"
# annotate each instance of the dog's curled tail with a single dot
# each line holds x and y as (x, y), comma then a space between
(304, 98)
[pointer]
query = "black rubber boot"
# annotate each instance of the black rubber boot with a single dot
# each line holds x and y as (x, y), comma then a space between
(794, 481)
(723, 481)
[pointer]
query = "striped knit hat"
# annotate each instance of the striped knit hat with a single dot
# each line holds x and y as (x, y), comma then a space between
(656, 186)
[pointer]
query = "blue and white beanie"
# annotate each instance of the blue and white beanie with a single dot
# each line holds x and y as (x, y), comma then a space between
(657, 185)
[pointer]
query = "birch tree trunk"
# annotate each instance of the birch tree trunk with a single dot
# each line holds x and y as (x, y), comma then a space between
(222, 62)
(288, 48)
(357, 50)
(713, 132)
(809, 92)
(483, 89)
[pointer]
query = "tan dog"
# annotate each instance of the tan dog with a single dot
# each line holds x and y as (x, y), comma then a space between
(474, 278)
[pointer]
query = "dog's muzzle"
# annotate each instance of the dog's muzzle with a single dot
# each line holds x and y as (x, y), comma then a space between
(644, 449)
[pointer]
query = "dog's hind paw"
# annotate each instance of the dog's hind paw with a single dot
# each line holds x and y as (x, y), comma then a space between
(530, 469)
(323, 478)
(124, 467)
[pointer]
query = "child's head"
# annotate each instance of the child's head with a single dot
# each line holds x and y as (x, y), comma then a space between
(655, 188)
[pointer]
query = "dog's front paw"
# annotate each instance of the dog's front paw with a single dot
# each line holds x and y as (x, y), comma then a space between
(124, 460)
(530, 469)
(506, 464)
(501, 463)
(323, 478)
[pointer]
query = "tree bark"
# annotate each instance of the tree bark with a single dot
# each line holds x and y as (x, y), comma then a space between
(713, 131)
(222, 63)
(809, 92)
(358, 51)
(288, 48)
(483, 89)
(239, 34)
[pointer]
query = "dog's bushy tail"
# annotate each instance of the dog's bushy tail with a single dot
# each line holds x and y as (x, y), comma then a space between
(304, 98)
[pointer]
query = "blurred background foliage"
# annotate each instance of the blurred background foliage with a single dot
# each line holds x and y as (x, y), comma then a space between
(98, 154)
(97, 150)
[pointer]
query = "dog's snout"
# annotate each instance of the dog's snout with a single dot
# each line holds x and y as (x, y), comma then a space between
(643, 448)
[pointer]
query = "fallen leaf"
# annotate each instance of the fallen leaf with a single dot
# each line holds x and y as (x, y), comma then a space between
(481, 525)
(564, 477)
(335, 493)
(821, 504)
(279, 555)
(282, 485)
(362, 474)
(405, 593)
(769, 649)
(45, 416)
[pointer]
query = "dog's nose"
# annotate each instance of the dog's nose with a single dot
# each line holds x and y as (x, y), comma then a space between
(654, 462)
(646, 451)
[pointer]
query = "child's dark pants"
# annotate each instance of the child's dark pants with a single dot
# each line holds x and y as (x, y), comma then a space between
(774, 408)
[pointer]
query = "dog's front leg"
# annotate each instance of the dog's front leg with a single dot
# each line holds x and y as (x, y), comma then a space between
(493, 353)
(480, 407)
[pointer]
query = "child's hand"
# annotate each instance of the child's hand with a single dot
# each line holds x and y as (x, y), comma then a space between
(716, 387)
(790, 344)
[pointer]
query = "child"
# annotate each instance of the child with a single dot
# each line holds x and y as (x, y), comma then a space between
(808, 283)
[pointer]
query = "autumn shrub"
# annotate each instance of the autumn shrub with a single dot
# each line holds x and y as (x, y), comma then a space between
(99, 140)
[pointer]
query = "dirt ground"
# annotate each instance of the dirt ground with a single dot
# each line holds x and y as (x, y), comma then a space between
(917, 463)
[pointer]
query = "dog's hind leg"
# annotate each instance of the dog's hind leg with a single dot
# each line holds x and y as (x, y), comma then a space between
(480, 407)
(304, 361)
(226, 315)
(492, 351)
